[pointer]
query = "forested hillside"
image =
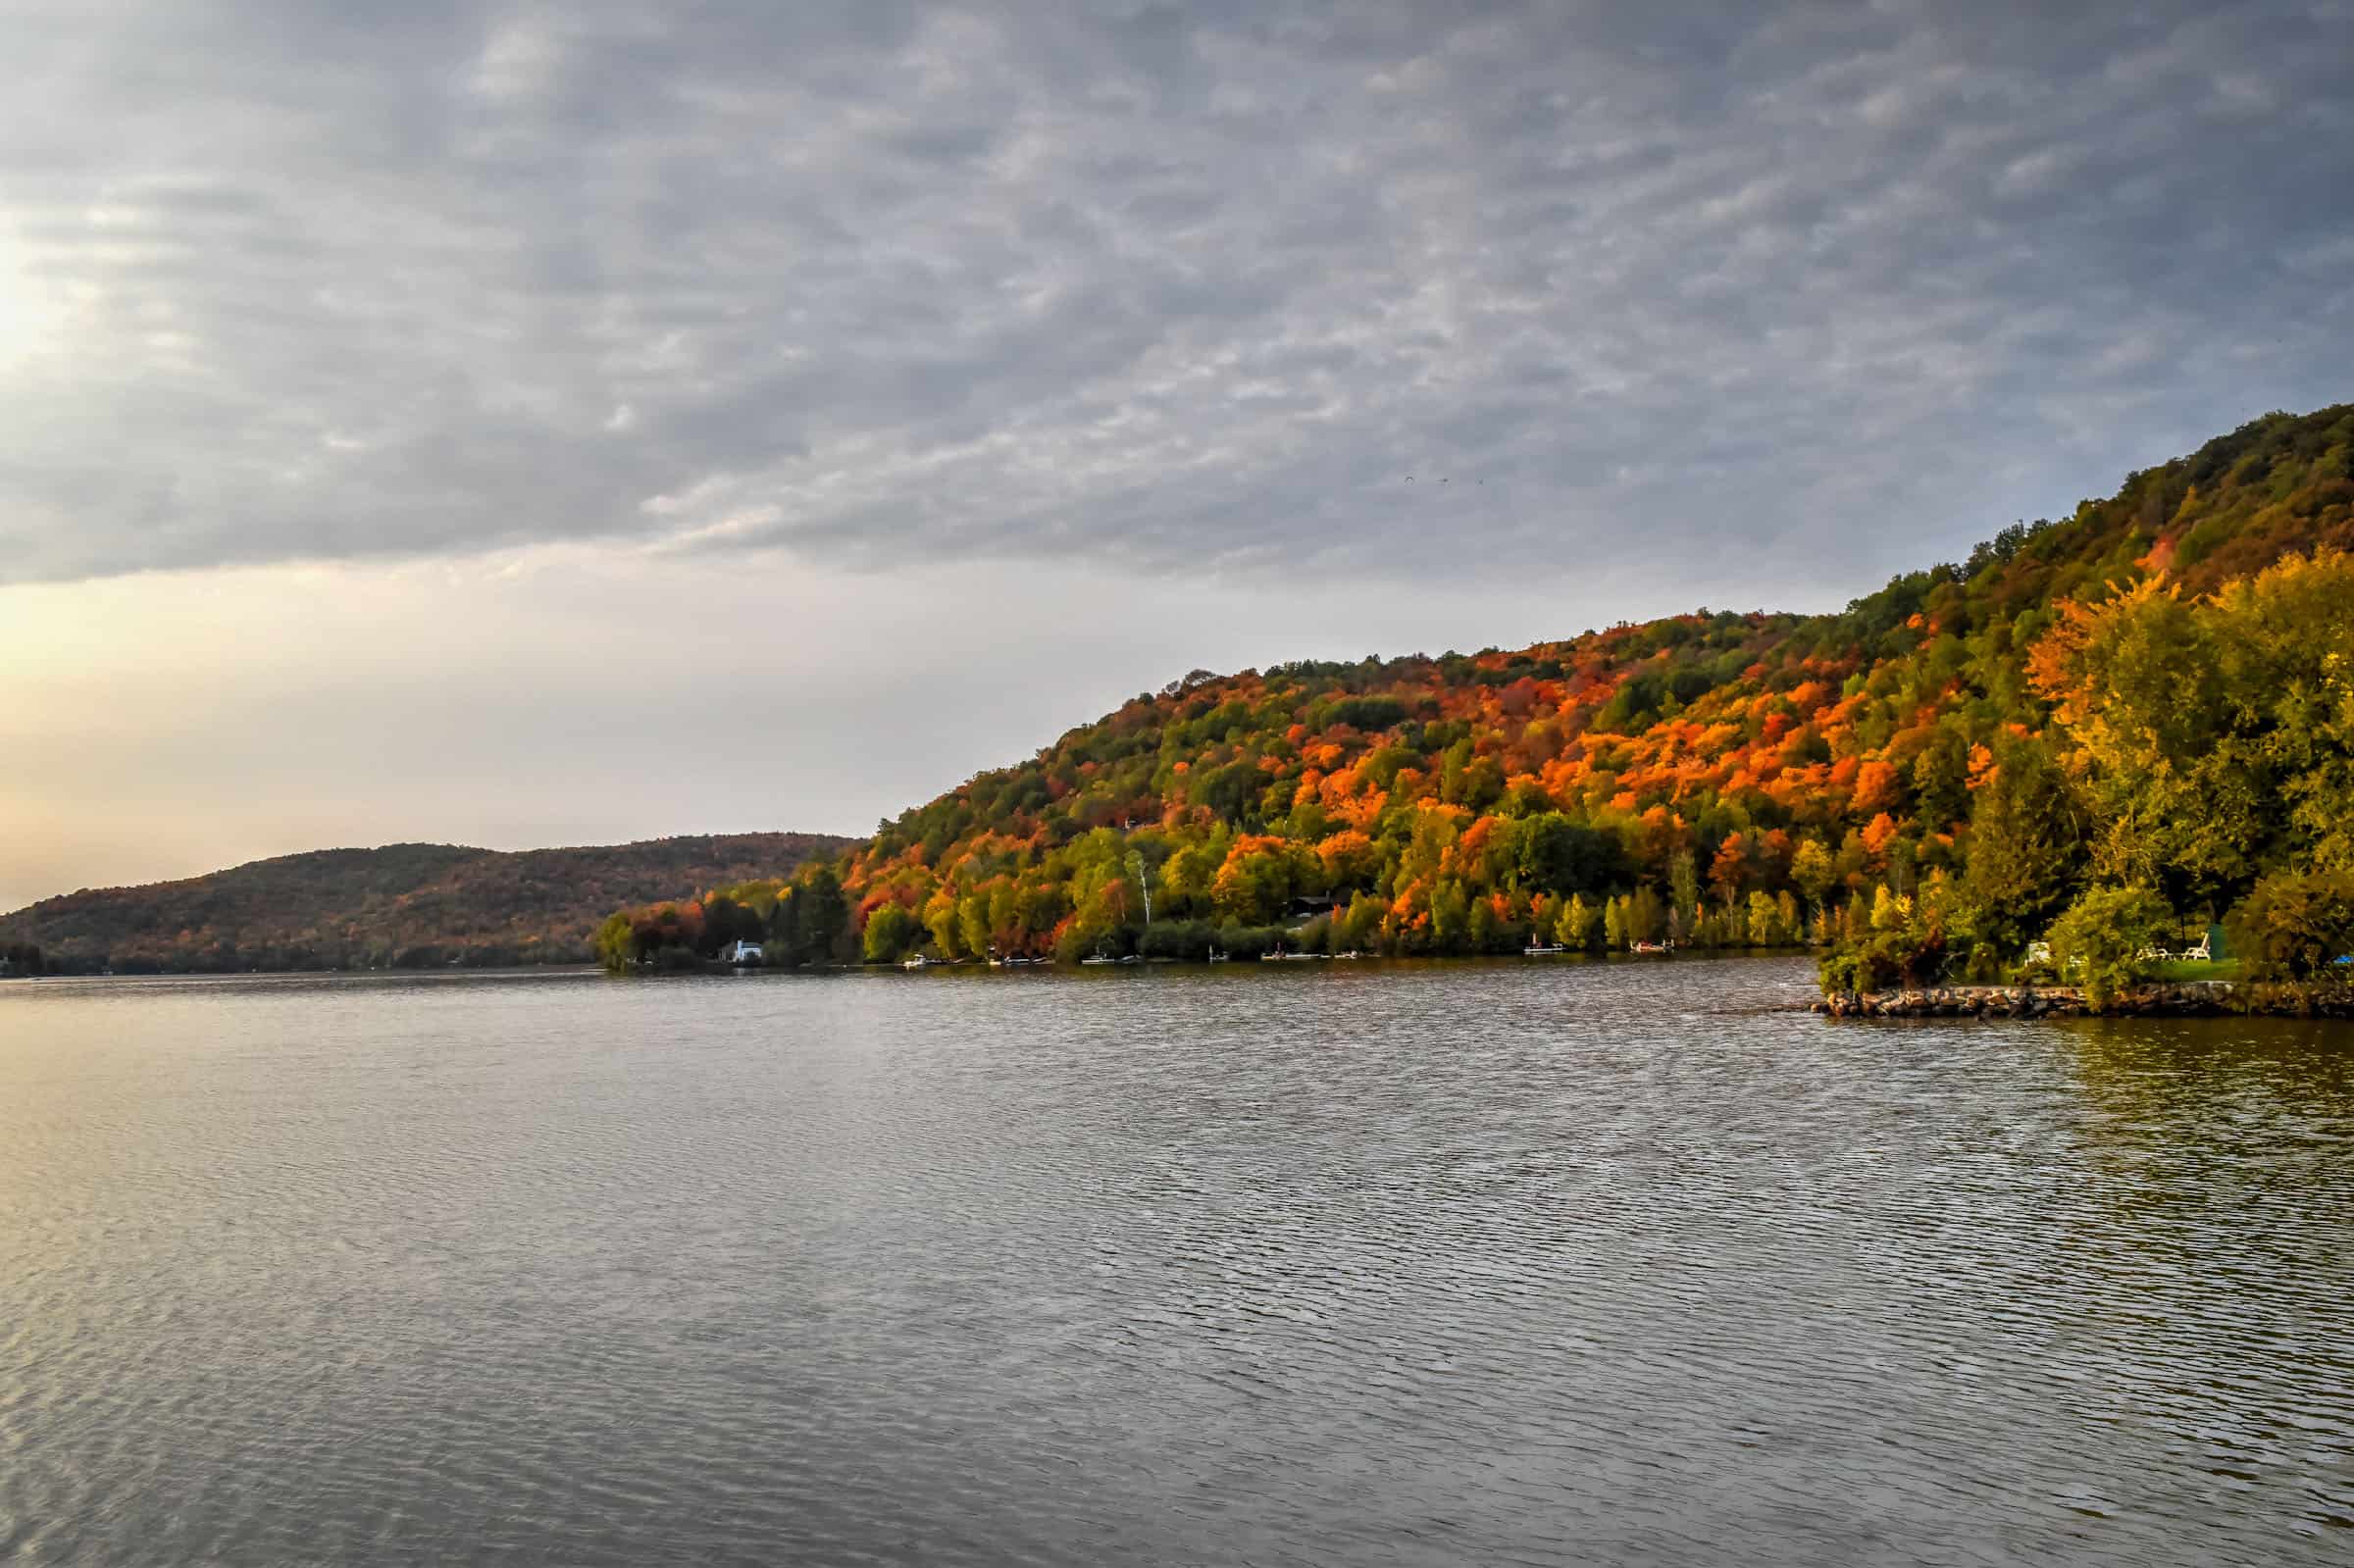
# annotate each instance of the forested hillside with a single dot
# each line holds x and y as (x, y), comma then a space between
(404, 905)
(2103, 703)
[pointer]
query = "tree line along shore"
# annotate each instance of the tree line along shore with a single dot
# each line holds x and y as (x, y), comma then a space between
(2094, 743)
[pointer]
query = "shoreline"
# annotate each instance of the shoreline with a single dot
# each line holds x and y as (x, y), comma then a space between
(2212, 998)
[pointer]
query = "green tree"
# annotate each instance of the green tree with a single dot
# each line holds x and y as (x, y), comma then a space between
(973, 930)
(1580, 925)
(1811, 870)
(890, 929)
(939, 919)
(2218, 733)
(1550, 853)
(1899, 938)
(2295, 925)
(1480, 930)
(2099, 940)
(824, 917)
(1941, 780)
(1683, 880)
(615, 947)
(725, 921)
(1450, 917)
(2027, 845)
(1261, 876)
(1187, 880)
(1646, 919)
(781, 942)
(1452, 766)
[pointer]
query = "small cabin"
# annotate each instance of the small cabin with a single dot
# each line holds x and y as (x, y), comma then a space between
(742, 953)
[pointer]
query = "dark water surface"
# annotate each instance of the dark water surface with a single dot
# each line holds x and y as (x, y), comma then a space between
(1345, 1265)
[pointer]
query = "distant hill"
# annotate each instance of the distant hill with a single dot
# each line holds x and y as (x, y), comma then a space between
(400, 907)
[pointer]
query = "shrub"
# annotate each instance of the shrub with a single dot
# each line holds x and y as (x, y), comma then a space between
(2099, 940)
(2295, 924)
(1250, 941)
(1188, 940)
(1884, 960)
(1907, 940)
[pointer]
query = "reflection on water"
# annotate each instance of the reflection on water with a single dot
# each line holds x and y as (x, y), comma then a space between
(1361, 1264)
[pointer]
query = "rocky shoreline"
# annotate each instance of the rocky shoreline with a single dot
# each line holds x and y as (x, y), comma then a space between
(2200, 999)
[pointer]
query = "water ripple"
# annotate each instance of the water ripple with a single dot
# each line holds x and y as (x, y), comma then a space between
(1368, 1265)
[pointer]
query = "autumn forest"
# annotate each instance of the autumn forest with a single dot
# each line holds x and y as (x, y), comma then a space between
(2096, 732)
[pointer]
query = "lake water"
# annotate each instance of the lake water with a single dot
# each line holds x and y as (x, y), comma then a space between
(1351, 1264)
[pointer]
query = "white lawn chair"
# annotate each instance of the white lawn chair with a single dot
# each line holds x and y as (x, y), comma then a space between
(2203, 953)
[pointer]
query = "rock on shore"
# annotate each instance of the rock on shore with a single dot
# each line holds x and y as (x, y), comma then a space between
(2206, 998)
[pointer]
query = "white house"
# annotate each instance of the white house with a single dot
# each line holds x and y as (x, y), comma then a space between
(743, 954)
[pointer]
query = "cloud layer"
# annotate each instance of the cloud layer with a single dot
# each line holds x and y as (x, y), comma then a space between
(1166, 286)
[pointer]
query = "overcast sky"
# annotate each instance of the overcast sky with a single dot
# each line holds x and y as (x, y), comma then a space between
(523, 424)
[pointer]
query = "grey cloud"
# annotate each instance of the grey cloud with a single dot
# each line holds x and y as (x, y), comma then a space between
(1193, 286)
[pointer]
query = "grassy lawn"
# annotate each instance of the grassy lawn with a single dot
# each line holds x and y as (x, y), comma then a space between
(2176, 972)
